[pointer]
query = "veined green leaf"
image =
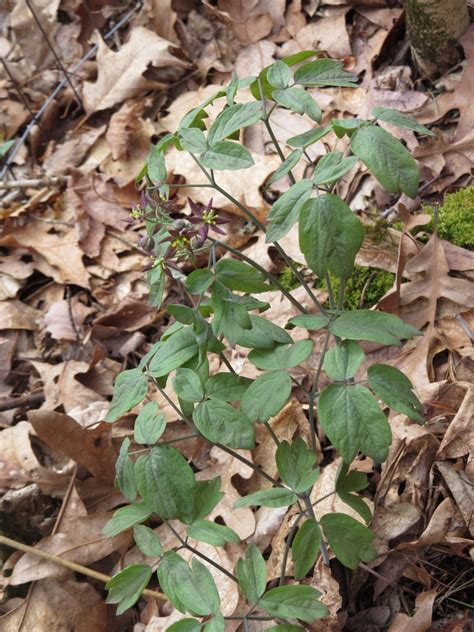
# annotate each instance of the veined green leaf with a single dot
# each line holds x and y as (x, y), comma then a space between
(330, 236)
(147, 541)
(263, 334)
(240, 276)
(331, 167)
(278, 75)
(366, 324)
(387, 159)
(226, 156)
(124, 473)
(193, 140)
(165, 481)
(309, 138)
(219, 422)
(400, 120)
(396, 390)
(349, 540)
(281, 356)
(343, 360)
(284, 213)
(273, 497)
(353, 481)
(305, 547)
(149, 425)
(266, 396)
(294, 602)
(324, 72)
(295, 463)
(198, 281)
(312, 322)
(126, 517)
(286, 166)
(129, 390)
(252, 574)
(352, 420)
(227, 387)
(212, 533)
(187, 385)
(173, 352)
(299, 101)
(126, 586)
(232, 119)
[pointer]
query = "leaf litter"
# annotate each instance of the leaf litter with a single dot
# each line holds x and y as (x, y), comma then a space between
(74, 300)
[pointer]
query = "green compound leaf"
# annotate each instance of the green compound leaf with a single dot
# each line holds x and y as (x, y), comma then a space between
(165, 481)
(263, 334)
(273, 497)
(187, 385)
(349, 540)
(261, 85)
(126, 586)
(324, 72)
(147, 541)
(149, 425)
(212, 533)
(299, 101)
(130, 389)
(227, 387)
(284, 213)
(295, 463)
(193, 140)
(309, 138)
(331, 167)
(365, 324)
(173, 352)
(124, 472)
(305, 547)
(353, 481)
(185, 625)
(266, 396)
(281, 356)
(207, 495)
(219, 422)
(387, 159)
(343, 360)
(286, 166)
(252, 574)
(345, 126)
(294, 602)
(330, 236)
(352, 420)
(240, 276)
(126, 517)
(226, 156)
(216, 624)
(233, 119)
(190, 590)
(396, 390)
(400, 120)
(309, 321)
(278, 75)
(199, 281)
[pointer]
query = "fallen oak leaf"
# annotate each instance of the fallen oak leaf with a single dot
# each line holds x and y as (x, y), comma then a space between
(121, 73)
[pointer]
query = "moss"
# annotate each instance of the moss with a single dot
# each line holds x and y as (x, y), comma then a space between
(377, 231)
(288, 279)
(364, 288)
(456, 218)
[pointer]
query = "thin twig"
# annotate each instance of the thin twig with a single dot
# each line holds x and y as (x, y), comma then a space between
(35, 183)
(77, 568)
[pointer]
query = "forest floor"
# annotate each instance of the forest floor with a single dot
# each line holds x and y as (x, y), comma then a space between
(74, 310)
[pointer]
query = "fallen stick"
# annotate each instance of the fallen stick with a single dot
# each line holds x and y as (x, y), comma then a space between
(78, 568)
(35, 183)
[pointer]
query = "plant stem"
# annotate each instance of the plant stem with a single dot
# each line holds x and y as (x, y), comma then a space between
(313, 392)
(342, 291)
(271, 432)
(72, 566)
(227, 363)
(258, 267)
(330, 290)
(288, 543)
(322, 546)
(202, 555)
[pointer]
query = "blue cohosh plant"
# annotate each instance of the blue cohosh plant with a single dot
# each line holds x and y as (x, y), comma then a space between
(223, 312)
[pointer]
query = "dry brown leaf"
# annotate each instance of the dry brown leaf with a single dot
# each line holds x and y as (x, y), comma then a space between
(64, 320)
(56, 245)
(462, 490)
(436, 529)
(19, 465)
(61, 388)
(18, 315)
(459, 438)
(121, 73)
(323, 581)
(122, 127)
(72, 151)
(251, 20)
(395, 520)
(83, 544)
(57, 606)
(91, 447)
(421, 620)
(159, 15)
(254, 58)
(328, 33)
